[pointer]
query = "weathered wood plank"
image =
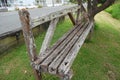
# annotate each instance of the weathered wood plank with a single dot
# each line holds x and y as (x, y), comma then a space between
(66, 64)
(28, 36)
(37, 19)
(78, 11)
(67, 76)
(49, 59)
(41, 57)
(78, 15)
(27, 32)
(49, 35)
(83, 8)
(55, 63)
(72, 18)
(54, 15)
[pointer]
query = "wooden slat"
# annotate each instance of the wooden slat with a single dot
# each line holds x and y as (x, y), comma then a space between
(41, 57)
(66, 64)
(49, 35)
(49, 59)
(55, 63)
(47, 53)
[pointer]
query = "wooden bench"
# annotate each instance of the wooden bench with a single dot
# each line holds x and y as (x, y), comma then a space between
(57, 59)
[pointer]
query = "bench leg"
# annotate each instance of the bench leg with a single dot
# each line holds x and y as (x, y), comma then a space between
(67, 76)
(37, 74)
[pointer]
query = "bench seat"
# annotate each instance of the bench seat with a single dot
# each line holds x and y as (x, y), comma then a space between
(59, 58)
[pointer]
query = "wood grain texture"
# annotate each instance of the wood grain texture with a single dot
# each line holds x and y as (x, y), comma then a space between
(48, 60)
(66, 64)
(60, 57)
(54, 15)
(45, 54)
(29, 39)
(49, 35)
(27, 32)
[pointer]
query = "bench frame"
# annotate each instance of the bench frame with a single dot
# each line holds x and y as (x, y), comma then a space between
(26, 23)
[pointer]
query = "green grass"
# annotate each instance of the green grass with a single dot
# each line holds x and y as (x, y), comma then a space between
(114, 10)
(98, 59)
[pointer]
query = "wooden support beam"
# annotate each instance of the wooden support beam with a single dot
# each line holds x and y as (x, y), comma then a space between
(27, 32)
(82, 12)
(77, 17)
(83, 8)
(49, 35)
(28, 36)
(71, 18)
(78, 11)
(53, 15)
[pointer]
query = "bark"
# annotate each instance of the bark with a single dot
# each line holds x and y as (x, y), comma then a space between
(102, 7)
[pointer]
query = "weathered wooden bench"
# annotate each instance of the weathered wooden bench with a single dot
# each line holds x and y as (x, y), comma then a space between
(57, 59)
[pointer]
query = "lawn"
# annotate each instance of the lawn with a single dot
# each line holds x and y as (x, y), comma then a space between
(98, 59)
(114, 10)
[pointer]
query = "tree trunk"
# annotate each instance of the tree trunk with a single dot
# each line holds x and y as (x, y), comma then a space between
(102, 7)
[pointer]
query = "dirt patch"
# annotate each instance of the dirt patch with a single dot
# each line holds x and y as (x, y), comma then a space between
(7, 71)
(111, 73)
